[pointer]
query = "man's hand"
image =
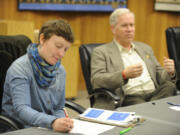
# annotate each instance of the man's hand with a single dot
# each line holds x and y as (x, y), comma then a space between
(133, 71)
(62, 124)
(169, 65)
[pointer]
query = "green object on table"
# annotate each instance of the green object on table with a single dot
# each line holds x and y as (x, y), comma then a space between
(125, 130)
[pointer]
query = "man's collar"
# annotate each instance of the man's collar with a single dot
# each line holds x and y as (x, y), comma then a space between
(121, 46)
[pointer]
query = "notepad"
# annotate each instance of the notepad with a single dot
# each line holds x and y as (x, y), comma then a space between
(123, 119)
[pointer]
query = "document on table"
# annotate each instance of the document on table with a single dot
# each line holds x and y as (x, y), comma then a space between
(176, 108)
(122, 119)
(89, 128)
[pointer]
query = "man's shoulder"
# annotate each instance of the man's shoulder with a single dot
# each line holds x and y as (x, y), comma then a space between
(104, 46)
(141, 44)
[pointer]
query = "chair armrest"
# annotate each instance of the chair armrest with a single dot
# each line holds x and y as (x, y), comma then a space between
(10, 123)
(76, 107)
(104, 91)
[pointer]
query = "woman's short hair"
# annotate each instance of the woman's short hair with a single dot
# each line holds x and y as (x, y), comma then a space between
(57, 27)
(118, 12)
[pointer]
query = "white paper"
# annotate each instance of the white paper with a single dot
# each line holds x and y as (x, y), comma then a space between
(176, 108)
(94, 128)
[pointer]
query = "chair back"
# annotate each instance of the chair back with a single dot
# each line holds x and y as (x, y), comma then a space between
(85, 52)
(173, 46)
(11, 48)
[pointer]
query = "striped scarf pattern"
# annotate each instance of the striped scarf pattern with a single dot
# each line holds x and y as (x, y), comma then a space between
(44, 72)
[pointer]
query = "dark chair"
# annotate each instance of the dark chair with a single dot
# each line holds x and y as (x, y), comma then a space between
(173, 46)
(85, 58)
(11, 48)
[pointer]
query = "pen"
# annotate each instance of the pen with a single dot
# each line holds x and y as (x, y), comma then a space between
(125, 130)
(65, 112)
(173, 104)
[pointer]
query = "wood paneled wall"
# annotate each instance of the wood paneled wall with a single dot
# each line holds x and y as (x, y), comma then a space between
(92, 27)
(151, 25)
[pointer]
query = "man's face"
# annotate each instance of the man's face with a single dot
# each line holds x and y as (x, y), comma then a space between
(124, 30)
(53, 49)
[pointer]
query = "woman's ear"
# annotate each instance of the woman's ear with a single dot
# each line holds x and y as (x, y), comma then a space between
(41, 39)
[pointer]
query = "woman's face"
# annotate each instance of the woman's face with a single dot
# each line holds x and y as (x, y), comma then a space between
(53, 49)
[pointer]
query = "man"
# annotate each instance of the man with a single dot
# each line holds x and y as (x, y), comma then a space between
(128, 67)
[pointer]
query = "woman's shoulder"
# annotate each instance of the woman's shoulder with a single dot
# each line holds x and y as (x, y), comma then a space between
(21, 60)
(61, 69)
(20, 64)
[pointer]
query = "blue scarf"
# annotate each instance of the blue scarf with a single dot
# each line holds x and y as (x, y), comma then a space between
(44, 72)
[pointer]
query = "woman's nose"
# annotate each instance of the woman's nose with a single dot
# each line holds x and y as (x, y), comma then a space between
(61, 53)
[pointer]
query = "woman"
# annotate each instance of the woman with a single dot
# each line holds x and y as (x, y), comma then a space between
(34, 89)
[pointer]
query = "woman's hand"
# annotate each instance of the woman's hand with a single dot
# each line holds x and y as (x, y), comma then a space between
(62, 124)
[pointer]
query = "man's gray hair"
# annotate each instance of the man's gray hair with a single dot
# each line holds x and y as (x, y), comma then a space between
(118, 12)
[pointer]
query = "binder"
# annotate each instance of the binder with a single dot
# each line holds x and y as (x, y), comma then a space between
(115, 118)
